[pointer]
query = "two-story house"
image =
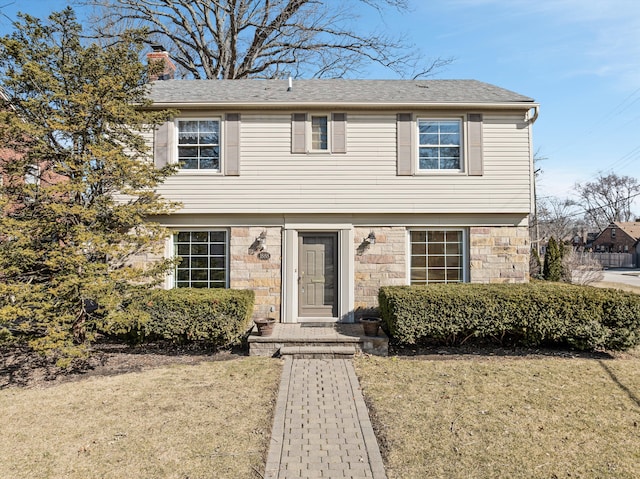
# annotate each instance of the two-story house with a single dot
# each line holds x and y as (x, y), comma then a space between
(620, 237)
(314, 193)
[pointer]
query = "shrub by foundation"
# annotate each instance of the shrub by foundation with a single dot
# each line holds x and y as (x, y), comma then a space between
(534, 314)
(220, 317)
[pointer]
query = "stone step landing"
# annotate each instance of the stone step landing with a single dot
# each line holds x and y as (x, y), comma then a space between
(326, 340)
(318, 352)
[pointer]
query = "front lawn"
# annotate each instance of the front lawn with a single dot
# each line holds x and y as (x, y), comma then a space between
(210, 420)
(506, 417)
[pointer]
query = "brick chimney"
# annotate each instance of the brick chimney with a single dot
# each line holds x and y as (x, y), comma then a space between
(160, 63)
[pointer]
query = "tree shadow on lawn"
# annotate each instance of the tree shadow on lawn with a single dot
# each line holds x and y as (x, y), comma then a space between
(615, 379)
(20, 366)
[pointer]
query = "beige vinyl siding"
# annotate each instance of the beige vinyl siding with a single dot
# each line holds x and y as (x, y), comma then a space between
(363, 180)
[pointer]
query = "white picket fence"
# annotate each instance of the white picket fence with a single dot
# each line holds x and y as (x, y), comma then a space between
(615, 260)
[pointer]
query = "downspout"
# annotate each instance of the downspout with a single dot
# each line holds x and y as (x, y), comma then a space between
(531, 119)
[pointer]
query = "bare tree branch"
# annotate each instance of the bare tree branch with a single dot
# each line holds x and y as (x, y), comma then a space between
(557, 217)
(608, 199)
(234, 39)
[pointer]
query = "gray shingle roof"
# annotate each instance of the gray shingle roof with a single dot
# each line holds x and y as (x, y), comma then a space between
(331, 92)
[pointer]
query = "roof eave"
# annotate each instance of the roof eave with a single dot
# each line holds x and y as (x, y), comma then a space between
(522, 105)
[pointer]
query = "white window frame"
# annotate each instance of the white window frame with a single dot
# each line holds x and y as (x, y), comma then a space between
(173, 280)
(309, 132)
(176, 142)
(464, 255)
(440, 171)
(32, 177)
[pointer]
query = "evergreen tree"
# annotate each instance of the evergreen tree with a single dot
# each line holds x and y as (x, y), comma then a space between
(78, 181)
(552, 270)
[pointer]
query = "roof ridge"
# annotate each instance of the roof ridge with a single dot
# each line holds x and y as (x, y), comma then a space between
(334, 91)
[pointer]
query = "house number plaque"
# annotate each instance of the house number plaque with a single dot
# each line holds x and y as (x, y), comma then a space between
(264, 255)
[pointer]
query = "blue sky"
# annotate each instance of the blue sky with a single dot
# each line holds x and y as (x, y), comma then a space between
(579, 59)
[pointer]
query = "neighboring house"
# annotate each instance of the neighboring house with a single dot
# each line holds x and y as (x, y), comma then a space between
(619, 237)
(33, 174)
(314, 193)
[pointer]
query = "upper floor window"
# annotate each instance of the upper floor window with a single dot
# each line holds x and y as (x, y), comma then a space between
(324, 133)
(439, 145)
(199, 144)
(319, 132)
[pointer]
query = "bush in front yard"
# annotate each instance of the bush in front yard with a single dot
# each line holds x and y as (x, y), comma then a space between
(532, 314)
(217, 316)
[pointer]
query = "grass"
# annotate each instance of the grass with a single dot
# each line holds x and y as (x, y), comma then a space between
(624, 287)
(210, 420)
(506, 417)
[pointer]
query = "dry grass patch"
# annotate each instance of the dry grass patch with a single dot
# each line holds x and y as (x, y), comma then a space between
(508, 417)
(621, 286)
(210, 420)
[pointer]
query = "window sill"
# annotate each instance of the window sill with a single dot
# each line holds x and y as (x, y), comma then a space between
(199, 173)
(317, 152)
(441, 173)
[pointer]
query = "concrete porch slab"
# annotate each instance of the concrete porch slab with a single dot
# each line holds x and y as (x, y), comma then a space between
(327, 335)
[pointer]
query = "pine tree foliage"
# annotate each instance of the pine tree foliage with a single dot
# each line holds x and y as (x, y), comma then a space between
(78, 181)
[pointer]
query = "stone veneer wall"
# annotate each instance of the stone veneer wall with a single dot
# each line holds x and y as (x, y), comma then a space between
(380, 264)
(499, 254)
(247, 271)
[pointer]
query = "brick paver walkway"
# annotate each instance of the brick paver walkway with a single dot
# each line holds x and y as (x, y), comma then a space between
(321, 426)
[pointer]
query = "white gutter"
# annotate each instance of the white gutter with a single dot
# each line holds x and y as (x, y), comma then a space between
(532, 118)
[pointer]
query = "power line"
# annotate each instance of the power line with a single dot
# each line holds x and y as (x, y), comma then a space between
(593, 210)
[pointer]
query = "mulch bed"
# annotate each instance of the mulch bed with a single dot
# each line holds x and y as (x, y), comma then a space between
(21, 367)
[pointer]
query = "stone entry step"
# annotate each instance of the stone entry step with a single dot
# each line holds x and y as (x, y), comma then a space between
(320, 337)
(318, 352)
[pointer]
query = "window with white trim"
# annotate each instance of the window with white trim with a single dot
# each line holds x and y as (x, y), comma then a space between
(199, 144)
(319, 132)
(439, 145)
(32, 176)
(204, 259)
(437, 256)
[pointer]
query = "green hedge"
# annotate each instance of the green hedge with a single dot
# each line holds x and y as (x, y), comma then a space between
(532, 314)
(217, 316)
